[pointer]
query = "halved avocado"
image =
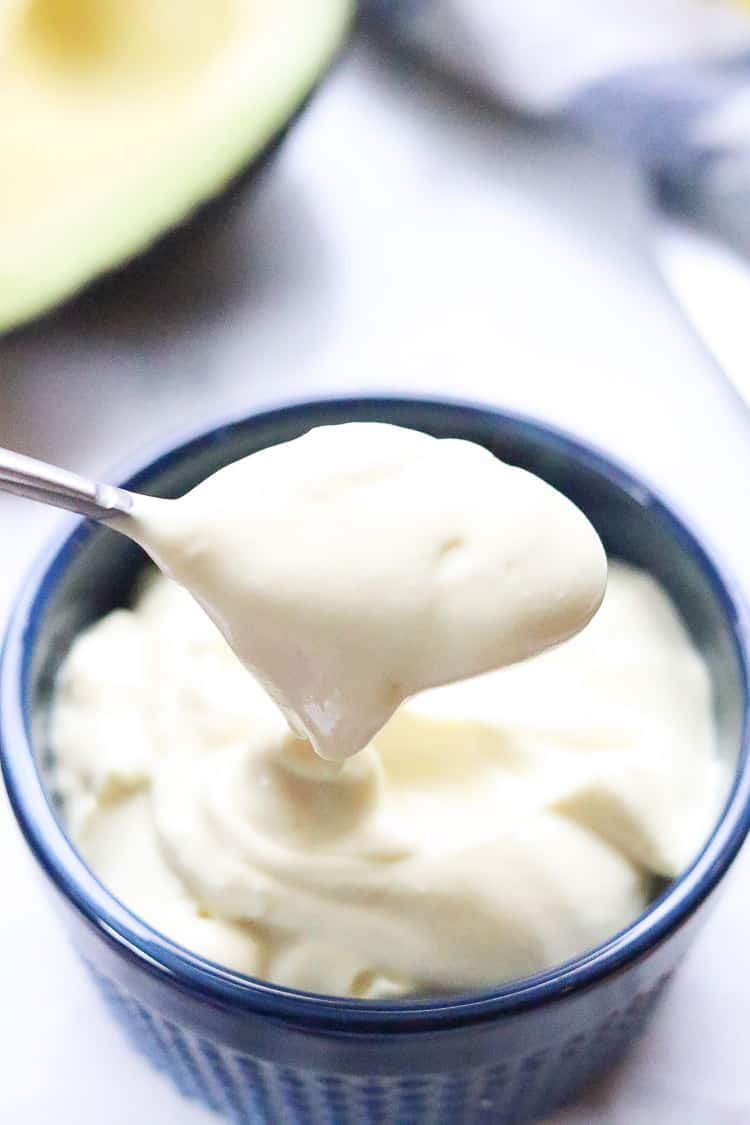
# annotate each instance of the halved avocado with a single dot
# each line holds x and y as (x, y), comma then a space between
(118, 118)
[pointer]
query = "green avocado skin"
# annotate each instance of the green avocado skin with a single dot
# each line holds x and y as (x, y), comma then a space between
(174, 242)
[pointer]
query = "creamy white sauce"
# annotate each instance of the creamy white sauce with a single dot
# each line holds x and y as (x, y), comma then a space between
(362, 563)
(462, 835)
(493, 828)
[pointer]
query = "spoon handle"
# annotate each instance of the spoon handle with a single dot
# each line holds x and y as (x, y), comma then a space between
(36, 480)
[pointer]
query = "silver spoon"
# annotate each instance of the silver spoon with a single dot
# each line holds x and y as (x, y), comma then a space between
(36, 480)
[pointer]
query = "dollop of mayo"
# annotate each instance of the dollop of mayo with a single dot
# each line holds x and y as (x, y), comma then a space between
(362, 563)
(492, 828)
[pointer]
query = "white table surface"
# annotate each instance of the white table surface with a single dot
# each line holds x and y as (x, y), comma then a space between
(404, 239)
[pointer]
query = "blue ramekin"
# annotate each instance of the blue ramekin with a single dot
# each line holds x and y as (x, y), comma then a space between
(261, 1053)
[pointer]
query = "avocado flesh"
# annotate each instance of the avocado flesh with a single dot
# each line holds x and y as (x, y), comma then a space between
(119, 117)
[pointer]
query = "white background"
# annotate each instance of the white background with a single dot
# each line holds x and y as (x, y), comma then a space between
(405, 239)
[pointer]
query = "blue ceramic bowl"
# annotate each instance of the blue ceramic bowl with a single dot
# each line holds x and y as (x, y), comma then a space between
(261, 1053)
